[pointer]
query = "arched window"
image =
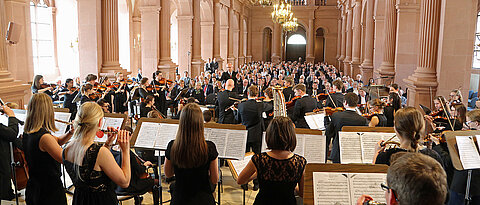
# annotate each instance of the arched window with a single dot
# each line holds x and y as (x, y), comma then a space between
(42, 38)
(297, 39)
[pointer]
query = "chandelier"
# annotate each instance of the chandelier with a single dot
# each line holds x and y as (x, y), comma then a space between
(281, 12)
(290, 25)
(261, 2)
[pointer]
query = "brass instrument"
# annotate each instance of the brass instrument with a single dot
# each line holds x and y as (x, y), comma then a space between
(279, 107)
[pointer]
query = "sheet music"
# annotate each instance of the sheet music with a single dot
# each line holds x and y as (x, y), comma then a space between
(369, 141)
(146, 135)
(236, 144)
(314, 148)
(311, 122)
(319, 120)
(62, 127)
(362, 183)
(165, 134)
(350, 147)
(264, 143)
(219, 138)
(239, 165)
(19, 114)
(468, 152)
(109, 122)
(330, 188)
(299, 148)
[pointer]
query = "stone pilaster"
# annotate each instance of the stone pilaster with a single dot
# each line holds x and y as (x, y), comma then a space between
(387, 68)
(230, 55)
(216, 32)
(342, 39)
(367, 64)
(248, 58)
(348, 44)
(424, 80)
(165, 63)
(197, 62)
(310, 41)
(110, 62)
(241, 41)
(149, 36)
(356, 38)
(276, 42)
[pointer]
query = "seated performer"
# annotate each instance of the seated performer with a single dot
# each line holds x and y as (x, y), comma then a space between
(37, 86)
(302, 105)
(69, 92)
(43, 153)
(336, 99)
(147, 106)
(91, 166)
(349, 117)
(198, 93)
(224, 102)
(280, 172)
(409, 127)
(192, 160)
(104, 105)
(8, 133)
(376, 110)
(413, 178)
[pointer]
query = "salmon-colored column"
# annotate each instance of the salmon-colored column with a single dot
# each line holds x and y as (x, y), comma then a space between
(387, 68)
(165, 63)
(241, 39)
(339, 38)
(276, 42)
(230, 56)
(248, 58)
(348, 44)
(110, 63)
(197, 62)
(216, 32)
(356, 38)
(310, 41)
(367, 64)
(343, 39)
(424, 80)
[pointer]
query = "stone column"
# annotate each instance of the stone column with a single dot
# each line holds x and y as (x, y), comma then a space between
(249, 40)
(367, 65)
(339, 37)
(276, 42)
(387, 68)
(216, 32)
(110, 63)
(11, 90)
(348, 44)
(149, 39)
(165, 63)
(424, 79)
(310, 41)
(356, 38)
(55, 42)
(230, 56)
(136, 52)
(241, 55)
(197, 62)
(184, 43)
(342, 40)
(89, 36)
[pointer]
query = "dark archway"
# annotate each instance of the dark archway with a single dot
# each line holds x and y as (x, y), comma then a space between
(319, 45)
(296, 45)
(267, 45)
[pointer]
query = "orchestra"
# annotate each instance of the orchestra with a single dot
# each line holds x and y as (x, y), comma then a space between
(247, 96)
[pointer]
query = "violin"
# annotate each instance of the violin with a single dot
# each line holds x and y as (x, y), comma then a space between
(329, 110)
(127, 81)
(370, 115)
(95, 95)
(323, 96)
(164, 81)
(291, 103)
(437, 113)
(45, 85)
(73, 89)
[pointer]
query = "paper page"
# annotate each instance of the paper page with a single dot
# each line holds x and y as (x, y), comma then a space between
(236, 144)
(299, 148)
(109, 122)
(62, 127)
(330, 188)
(311, 122)
(350, 148)
(19, 114)
(239, 165)
(468, 152)
(165, 134)
(146, 135)
(369, 140)
(368, 183)
(219, 138)
(314, 150)
(264, 143)
(319, 120)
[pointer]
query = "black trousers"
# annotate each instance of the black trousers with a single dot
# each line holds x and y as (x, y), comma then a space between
(256, 147)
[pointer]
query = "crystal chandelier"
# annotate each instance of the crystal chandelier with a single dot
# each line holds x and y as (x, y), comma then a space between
(262, 2)
(290, 25)
(281, 12)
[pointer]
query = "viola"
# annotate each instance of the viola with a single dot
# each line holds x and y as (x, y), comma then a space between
(21, 168)
(329, 110)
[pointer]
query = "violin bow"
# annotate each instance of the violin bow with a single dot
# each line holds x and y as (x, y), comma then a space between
(332, 99)
(447, 113)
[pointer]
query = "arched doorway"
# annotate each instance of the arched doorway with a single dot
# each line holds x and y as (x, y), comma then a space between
(296, 45)
(267, 45)
(319, 45)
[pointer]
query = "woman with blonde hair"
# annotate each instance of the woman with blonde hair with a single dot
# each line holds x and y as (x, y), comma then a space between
(192, 160)
(43, 153)
(92, 166)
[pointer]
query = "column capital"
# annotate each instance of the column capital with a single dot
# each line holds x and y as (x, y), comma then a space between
(407, 8)
(145, 9)
(136, 18)
(184, 18)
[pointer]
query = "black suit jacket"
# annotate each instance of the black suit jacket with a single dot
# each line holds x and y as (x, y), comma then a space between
(302, 106)
(340, 119)
(337, 98)
(226, 76)
(250, 114)
(8, 134)
(242, 91)
(223, 102)
(310, 91)
(209, 89)
(288, 93)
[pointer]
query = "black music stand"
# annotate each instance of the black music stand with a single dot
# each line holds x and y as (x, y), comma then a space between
(13, 164)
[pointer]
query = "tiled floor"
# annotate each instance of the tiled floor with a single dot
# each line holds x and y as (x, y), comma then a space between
(232, 193)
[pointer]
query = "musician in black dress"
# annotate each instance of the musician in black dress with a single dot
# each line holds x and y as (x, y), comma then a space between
(224, 102)
(268, 107)
(120, 97)
(394, 104)
(192, 160)
(69, 92)
(8, 133)
(337, 97)
(278, 171)
(302, 105)
(107, 92)
(288, 90)
(160, 92)
(37, 86)
(43, 153)
(376, 110)
(349, 117)
(147, 106)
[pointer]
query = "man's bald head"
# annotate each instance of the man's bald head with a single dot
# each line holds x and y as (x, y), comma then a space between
(229, 85)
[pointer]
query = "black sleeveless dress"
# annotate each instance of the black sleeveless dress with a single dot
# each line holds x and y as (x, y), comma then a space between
(91, 187)
(44, 185)
(277, 178)
(382, 120)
